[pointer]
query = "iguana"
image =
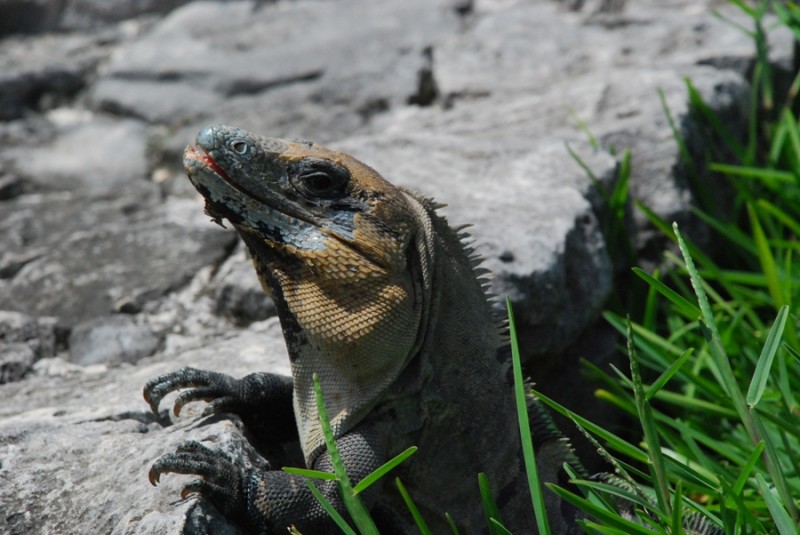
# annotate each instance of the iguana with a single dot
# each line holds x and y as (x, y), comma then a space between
(383, 300)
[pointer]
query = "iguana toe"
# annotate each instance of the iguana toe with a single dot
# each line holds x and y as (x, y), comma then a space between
(205, 385)
(220, 479)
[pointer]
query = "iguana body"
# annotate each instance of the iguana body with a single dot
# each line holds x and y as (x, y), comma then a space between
(379, 297)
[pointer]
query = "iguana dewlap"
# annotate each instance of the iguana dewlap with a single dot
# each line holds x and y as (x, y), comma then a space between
(379, 297)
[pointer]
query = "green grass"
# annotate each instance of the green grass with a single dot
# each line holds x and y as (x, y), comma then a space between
(714, 368)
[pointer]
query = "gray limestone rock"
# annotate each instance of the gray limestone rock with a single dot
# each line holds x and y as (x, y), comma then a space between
(94, 252)
(85, 155)
(45, 71)
(25, 340)
(90, 14)
(29, 16)
(71, 464)
(106, 339)
(238, 294)
(207, 60)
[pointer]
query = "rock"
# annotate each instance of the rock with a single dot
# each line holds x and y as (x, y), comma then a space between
(15, 361)
(44, 72)
(24, 340)
(93, 477)
(96, 251)
(238, 293)
(110, 339)
(89, 14)
(95, 155)
(197, 63)
(29, 16)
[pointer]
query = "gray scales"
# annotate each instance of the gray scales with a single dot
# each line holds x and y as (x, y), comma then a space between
(381, 298)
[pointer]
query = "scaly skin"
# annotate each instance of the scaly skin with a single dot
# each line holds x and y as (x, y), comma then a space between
(379, 297)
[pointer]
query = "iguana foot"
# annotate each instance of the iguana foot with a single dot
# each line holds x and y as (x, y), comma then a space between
(250, 397)
(222, 481)
(223, 392)
(218, 388)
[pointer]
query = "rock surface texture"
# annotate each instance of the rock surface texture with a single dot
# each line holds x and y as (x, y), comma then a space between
(110, 274)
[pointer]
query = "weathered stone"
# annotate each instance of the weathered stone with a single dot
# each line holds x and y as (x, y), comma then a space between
(110, 339)
(43, 72)
(202, 57)
(88, 14)
(15, 361)
(94, 155)
(238, 293)
(92, 258)
(29, 16)
(24, 340)
(93, 477)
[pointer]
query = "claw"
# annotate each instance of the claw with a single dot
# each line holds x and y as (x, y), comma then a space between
(192, 488)
(154, 476)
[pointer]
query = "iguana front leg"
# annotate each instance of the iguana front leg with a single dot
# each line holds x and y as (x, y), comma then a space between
(262, 400)
(269, 501)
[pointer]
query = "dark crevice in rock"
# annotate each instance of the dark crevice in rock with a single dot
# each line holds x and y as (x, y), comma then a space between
(451, 99)
(11, 187)
(145, 417)
(373, 107)
(29, 17)
(38, 91)
(11, 263)
(464, 8)
(232, 88)
(427, 88)
(160, 76)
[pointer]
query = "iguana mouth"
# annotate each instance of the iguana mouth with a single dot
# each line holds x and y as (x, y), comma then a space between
(221, 209)
(199, 154)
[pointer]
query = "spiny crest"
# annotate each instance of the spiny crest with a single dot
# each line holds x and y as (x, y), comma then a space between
(475, 259)
(545, 430)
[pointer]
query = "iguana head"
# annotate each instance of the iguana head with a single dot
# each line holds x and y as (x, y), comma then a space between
(338, 248)
(303, 200)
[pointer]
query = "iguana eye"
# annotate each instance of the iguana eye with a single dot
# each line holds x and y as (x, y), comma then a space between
(239, 146)
(320, 178)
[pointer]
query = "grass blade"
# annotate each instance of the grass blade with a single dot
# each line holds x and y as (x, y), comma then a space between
(747, 469)
(759, 381)
(452, 524)
(612, 518)
(779, 515)
(649, 427)
(489, 505)
(683, 305)
(412, 507)
(305, 472)
(330, 509)
(715, 342)
(386, 467)
(352, 503)
(662, 379)
(498, 528)
(767, 259)
(532, 472)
